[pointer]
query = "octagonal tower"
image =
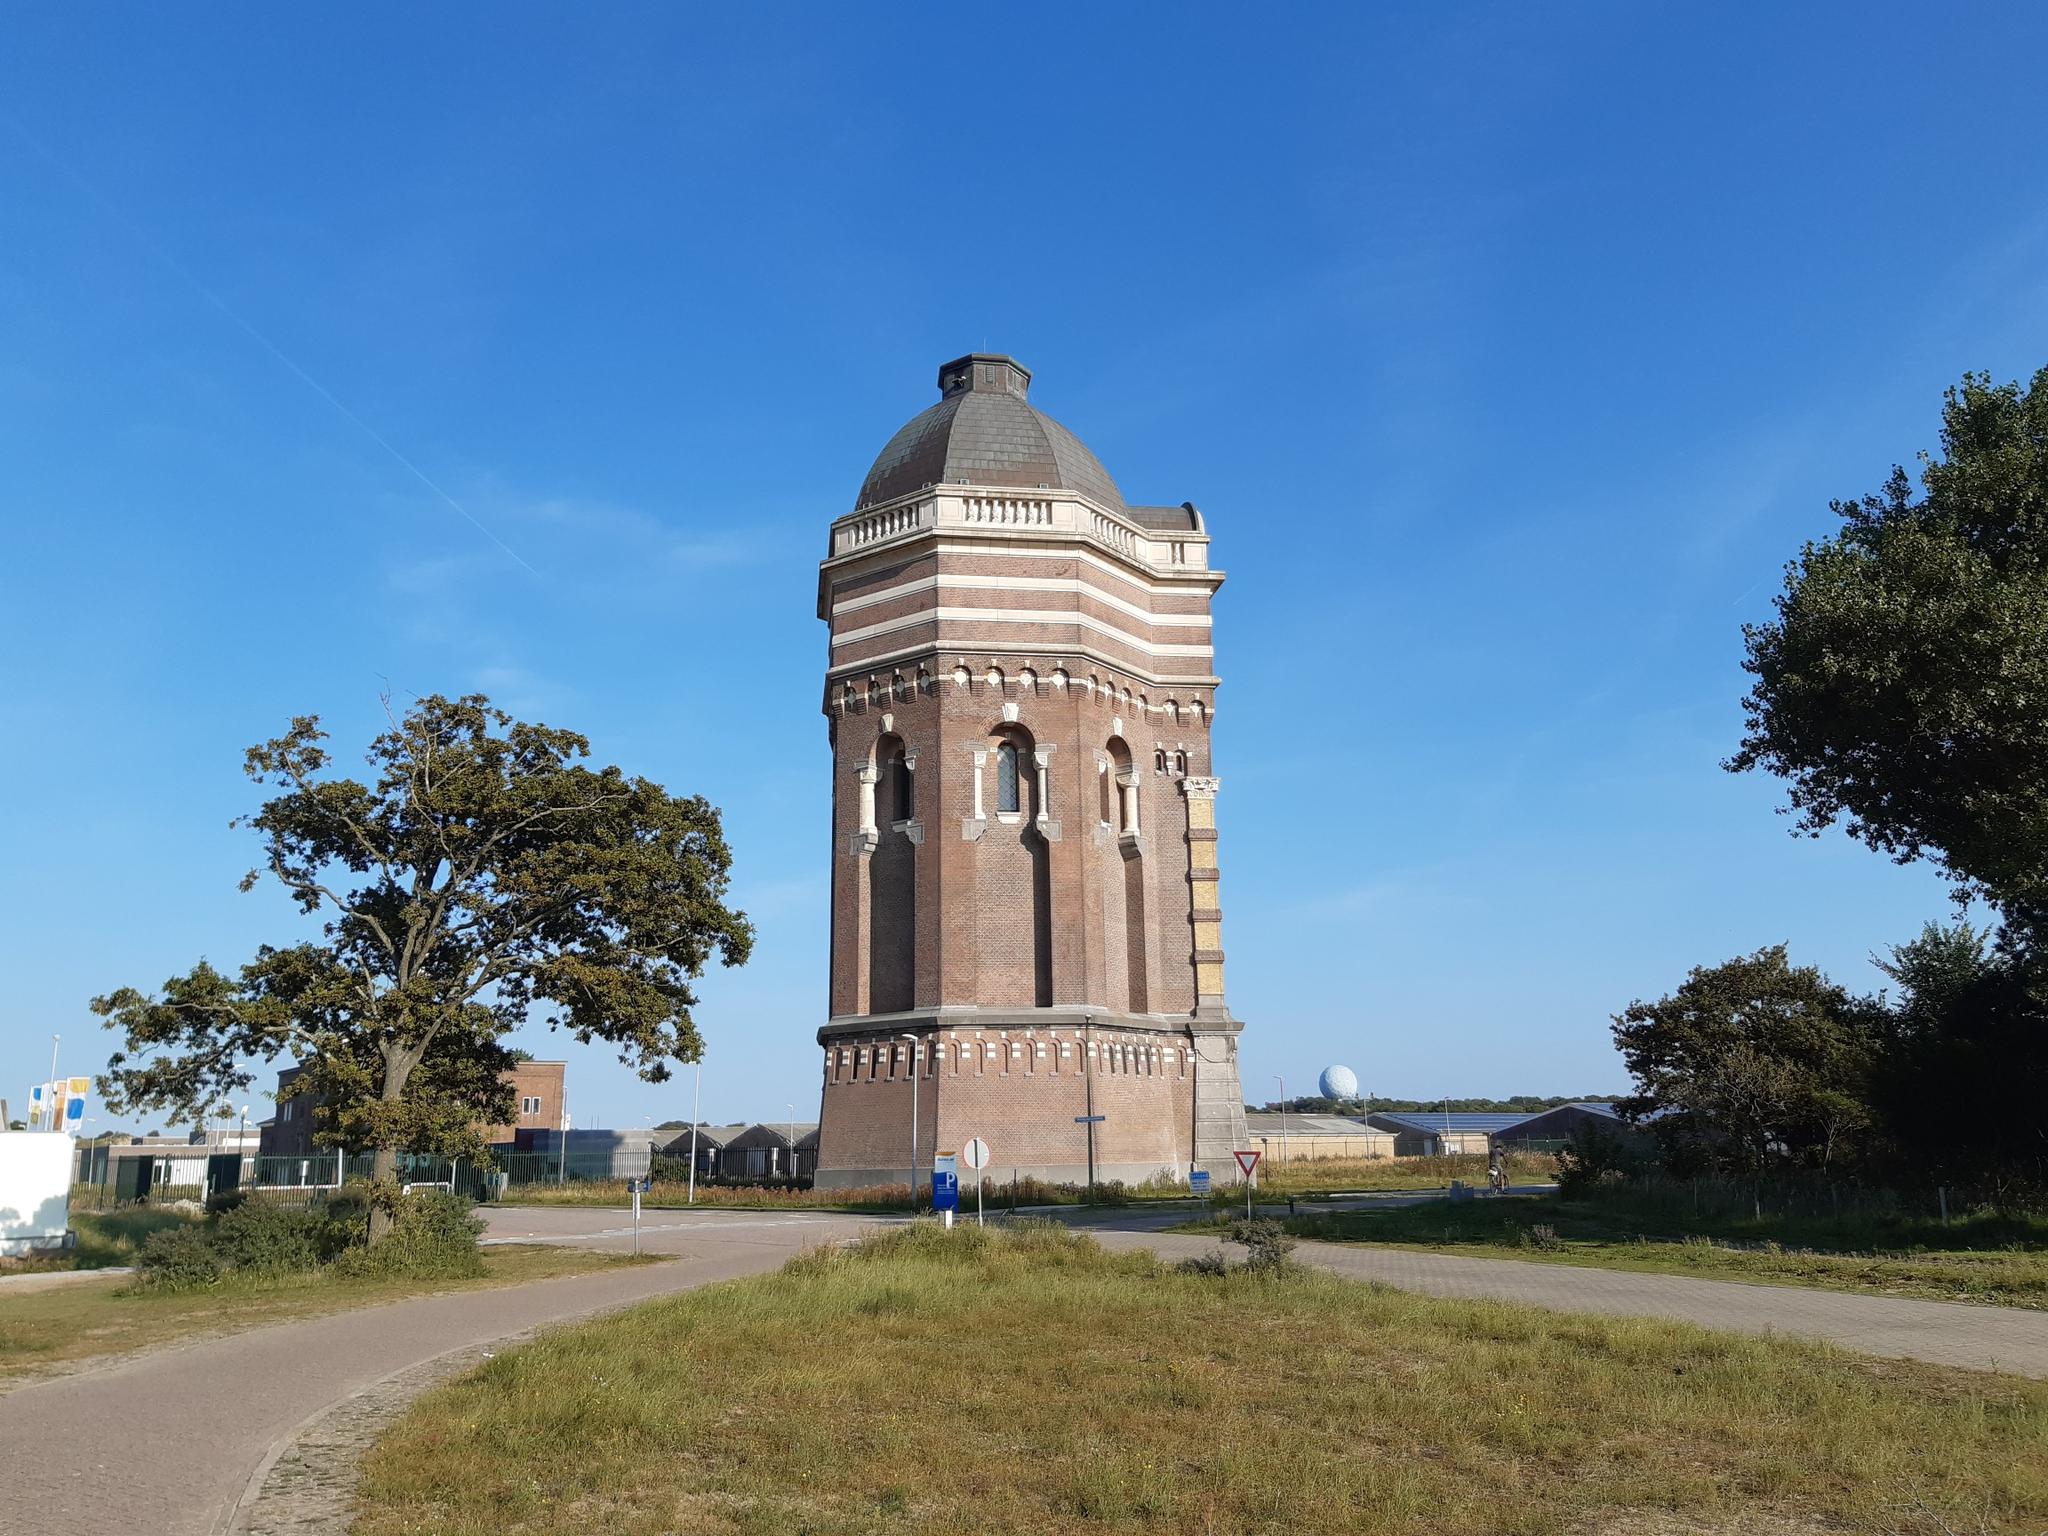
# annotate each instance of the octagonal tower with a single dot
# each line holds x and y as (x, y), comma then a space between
(1025, 908)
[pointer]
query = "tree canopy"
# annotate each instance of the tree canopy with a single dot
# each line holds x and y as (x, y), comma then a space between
(1902, 688)
(1756, 1059)
(485, 875)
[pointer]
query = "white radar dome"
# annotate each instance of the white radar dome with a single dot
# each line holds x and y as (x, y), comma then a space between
(1339, 1083)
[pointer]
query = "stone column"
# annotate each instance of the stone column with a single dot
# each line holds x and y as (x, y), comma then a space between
(1207, 882)
(869, 834)
(1041, 760)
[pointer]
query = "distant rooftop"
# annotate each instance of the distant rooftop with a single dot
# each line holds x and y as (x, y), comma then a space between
(1457, 1122)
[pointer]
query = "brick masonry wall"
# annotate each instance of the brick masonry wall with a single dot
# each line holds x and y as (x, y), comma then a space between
(951, 917)
(1020, 1091)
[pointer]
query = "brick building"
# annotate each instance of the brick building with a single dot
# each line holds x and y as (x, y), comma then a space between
(537, 1088)
(1025, 908)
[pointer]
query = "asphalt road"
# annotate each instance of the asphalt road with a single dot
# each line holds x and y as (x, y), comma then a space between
(169, 1442)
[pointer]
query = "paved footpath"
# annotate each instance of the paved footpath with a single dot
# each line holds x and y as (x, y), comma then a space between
(1945, 1332)
(168, 1442)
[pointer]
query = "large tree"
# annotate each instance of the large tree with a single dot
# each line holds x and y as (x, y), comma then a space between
(484, 875)
(1964, 1073)
(1903, 686)
(1759, 1064)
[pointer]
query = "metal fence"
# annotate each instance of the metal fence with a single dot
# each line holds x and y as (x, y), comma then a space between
(107, 1176)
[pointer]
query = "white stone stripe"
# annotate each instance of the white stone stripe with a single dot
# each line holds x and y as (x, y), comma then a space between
(1150, 578)
(1017, 616)
(839, 671)
(947, 581)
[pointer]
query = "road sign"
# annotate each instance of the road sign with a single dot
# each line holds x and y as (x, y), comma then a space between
(1089, 1119)
(976, 1154)
(1198, 1181)
(1246, 1162)
(945, 1193)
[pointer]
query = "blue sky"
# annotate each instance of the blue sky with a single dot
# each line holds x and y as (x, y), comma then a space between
(1509, 350)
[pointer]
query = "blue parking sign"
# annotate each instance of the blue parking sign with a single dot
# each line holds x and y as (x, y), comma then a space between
(945, 1190)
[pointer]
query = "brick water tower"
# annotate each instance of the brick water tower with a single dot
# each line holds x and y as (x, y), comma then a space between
(1026, 919)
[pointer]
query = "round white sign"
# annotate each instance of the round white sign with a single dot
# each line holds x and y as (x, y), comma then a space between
(975, 1154)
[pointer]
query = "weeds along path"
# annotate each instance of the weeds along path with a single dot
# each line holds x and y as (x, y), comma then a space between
(217, 1411)
(1965, 1334)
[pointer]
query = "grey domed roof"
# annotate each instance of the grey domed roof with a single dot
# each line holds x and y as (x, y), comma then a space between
(983, 432)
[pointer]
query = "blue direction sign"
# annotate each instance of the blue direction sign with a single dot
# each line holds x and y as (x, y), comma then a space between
(1198, 1181)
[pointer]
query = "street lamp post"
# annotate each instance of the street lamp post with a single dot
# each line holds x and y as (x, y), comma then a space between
(913, 1120)
(1283, 1115)
(696, 1101)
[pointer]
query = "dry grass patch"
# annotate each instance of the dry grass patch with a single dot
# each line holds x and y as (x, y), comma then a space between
(674, 1194)
(2005, 1265)
(1031, 1382)
(43, 1331)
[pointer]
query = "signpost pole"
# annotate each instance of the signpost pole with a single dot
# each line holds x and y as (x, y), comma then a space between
(636, 1218)
(696, 1103)
(1247, 1164)
(977, 1156)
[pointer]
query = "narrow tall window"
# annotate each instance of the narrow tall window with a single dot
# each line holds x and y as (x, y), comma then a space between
(1006, 777)
(900, 795)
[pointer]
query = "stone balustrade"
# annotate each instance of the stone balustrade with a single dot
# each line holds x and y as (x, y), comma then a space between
(980, 510)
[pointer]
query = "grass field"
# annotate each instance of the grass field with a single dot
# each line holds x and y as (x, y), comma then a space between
(42, 1330)
(1983, 1258)
(1276, 1181)
(675, 1195)
(106, 1240)
(1031, 1382)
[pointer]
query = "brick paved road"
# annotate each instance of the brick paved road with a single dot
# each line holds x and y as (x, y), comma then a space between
(167, 1442)
(1945, 1332)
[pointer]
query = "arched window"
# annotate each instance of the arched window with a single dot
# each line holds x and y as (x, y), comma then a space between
(1159, 760)
(1180, 764)
(1007, 793)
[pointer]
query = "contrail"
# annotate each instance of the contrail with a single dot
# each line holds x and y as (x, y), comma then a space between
(143, 238)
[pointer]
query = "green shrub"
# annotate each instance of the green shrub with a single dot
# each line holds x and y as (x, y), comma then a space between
(1595, 1158)
(180, 1258)
(1211, 1264)
(432, 1236)
(275, 1238)
(1267, 1245)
